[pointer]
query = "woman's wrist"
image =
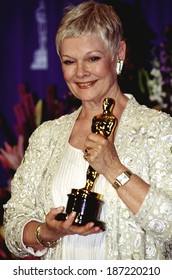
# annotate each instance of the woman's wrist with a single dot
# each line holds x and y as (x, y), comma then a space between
(40, 241)
(122, 179)
(114, 172)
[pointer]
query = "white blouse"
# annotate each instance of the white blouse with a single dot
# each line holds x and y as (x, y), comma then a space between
(71, 174)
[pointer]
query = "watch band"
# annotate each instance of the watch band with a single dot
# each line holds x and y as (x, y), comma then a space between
(122, 179)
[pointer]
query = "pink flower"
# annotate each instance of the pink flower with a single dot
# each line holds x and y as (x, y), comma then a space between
(11, 157)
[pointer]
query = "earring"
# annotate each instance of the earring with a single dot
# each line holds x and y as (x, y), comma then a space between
(119, 66)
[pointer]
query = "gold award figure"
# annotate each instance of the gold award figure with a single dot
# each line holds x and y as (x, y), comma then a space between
(86, 203)
(103, 124)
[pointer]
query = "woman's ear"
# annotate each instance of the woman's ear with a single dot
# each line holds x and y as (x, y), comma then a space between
(122, 51)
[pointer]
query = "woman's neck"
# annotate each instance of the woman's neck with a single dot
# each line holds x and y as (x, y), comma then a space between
(91, 109)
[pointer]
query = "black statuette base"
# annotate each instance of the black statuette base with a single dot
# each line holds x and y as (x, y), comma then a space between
(87, 206)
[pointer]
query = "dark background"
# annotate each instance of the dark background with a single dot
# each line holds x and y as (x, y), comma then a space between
(144, 22)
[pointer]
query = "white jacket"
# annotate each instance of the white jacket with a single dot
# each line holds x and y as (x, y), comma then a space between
(144, 145)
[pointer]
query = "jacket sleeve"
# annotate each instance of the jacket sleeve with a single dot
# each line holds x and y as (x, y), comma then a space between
(23, 206)
(155, 214)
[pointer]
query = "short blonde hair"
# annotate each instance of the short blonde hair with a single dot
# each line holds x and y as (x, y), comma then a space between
(91, 18)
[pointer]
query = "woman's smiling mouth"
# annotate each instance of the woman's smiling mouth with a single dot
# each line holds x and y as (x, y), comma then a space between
(86, 84)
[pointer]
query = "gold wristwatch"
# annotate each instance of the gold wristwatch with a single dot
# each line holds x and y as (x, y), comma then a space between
(122, 179)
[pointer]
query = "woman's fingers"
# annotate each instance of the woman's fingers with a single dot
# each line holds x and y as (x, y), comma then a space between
(67, 227)
(87, 229)
(53, 213)
(69, 220)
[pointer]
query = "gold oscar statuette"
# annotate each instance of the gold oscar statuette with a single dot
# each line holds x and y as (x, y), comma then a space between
(85, 202)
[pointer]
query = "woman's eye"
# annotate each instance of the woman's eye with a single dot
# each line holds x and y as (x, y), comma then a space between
(68, 62)
(94, 58)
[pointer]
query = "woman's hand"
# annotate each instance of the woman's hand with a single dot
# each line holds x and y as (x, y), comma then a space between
(102, 155)
(52, 229)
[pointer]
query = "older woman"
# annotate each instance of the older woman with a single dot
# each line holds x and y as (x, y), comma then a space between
(134, 163)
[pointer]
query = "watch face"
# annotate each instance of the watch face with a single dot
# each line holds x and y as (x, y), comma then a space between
(123, 178)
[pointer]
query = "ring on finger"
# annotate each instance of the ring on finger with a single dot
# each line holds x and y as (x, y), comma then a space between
(86, 153)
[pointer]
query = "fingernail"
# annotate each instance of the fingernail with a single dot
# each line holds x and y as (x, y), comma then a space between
(96, 228)
(60, 208)
(73, 213)
(91, 224)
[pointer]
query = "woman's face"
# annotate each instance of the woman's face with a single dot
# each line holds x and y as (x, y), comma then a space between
(88, 67)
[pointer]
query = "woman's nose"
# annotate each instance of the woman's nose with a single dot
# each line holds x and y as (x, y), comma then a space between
(81, 70)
